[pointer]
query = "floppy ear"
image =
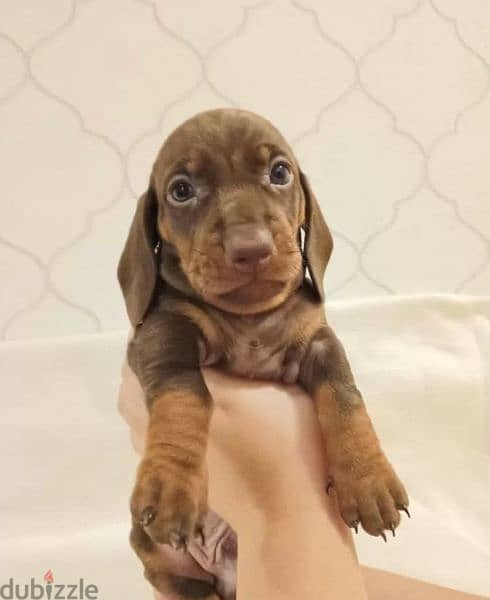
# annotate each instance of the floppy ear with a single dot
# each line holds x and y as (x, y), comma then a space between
(138, 266)
(318, 244)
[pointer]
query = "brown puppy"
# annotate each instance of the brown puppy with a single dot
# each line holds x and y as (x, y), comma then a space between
(213, 268)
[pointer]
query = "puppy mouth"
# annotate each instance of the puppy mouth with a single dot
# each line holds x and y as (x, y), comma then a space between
(255, 290)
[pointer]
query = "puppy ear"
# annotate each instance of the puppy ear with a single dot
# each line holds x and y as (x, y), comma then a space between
(138, 266)
(318, 244)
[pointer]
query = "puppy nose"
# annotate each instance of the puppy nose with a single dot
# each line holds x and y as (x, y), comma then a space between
(248, 247)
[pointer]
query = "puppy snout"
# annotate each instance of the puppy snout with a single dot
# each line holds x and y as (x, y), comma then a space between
(248, 247)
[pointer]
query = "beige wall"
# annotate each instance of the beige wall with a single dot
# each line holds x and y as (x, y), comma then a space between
(386, 102)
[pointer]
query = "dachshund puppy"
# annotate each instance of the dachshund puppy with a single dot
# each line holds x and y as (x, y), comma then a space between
(228, 246)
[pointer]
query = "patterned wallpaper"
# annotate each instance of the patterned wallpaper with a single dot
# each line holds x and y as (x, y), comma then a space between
(386, 102)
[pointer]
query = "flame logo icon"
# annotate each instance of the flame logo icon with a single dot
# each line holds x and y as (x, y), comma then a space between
(48, 576)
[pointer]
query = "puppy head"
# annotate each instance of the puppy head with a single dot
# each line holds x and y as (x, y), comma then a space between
(226, 201)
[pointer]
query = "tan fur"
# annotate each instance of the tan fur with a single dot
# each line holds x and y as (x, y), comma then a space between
(172, 474)
(358, 465)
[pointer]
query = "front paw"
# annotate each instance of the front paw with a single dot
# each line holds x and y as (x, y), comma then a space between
(369, 492)
(170, 503)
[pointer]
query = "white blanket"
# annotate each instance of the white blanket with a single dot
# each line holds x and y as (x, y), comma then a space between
(67, 465)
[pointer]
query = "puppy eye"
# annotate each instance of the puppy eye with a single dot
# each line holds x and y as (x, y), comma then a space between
(181, 190)
(280, 173)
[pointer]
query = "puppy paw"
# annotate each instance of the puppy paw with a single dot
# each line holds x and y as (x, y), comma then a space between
(369, 493)
(170, 505)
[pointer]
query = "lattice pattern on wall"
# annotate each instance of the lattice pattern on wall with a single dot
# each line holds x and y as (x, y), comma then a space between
(386, 102)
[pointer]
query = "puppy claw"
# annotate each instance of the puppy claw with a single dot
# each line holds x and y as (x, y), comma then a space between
(355, 526)
(405, 510)
(200, 535)
(383, 535)
(147, 516)
(392, 527)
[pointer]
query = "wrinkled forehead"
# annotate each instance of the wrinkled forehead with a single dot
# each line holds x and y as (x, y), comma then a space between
(221, 139)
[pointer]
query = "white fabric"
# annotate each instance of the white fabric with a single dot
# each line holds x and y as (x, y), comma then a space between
(68, 466)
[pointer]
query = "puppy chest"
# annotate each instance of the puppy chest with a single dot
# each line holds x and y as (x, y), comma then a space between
(256, 350)
(252, 358)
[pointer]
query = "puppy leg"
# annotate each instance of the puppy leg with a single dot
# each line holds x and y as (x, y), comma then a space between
(367, 488)
(169, 500)
(170, 494)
